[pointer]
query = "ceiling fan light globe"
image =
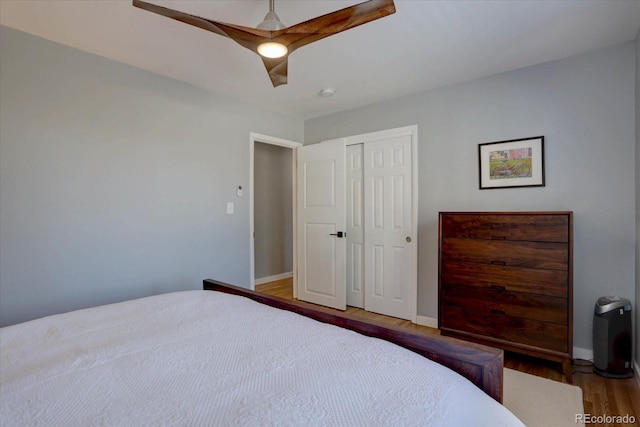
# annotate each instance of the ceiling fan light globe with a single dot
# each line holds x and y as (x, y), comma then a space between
(272, 50)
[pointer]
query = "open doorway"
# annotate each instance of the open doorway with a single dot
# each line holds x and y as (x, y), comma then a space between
(272, 213)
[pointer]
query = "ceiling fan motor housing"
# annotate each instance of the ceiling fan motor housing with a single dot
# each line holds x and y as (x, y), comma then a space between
(271, 22)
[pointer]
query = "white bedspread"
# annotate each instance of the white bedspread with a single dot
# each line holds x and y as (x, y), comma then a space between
(208, 358)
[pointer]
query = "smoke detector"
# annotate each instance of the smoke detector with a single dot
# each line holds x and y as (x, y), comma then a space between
(326, 92)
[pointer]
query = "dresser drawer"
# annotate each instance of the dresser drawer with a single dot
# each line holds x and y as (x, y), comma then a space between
(529, 280)
(518, 330)
(536, 228)
(554, 256)
(499, 301)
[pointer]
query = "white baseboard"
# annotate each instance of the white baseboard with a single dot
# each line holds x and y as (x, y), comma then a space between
(268, 279)
(427, 321)
(582, 353)
(636, 371)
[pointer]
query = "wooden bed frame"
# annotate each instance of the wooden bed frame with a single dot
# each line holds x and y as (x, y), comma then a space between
(482, 365)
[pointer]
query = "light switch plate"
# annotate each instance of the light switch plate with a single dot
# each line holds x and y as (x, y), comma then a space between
(229, 208)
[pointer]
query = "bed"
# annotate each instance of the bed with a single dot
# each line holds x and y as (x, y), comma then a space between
(235, 357)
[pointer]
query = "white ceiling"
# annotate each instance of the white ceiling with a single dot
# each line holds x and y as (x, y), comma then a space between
(425, 44)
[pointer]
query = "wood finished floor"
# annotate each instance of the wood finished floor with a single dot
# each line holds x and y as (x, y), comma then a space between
(601, 396)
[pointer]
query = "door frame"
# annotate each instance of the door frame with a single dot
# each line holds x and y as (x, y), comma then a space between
(411, 130)
(292, 145)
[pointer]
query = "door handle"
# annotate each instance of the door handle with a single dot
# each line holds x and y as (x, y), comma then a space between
(339, 234)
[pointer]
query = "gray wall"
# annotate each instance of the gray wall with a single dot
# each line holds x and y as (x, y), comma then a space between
(273, 207)
(114, 181)
(637, 302)
(583, 105)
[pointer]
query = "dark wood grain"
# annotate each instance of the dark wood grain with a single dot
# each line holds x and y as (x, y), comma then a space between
(518, 304)
(524, 226)
(541, 255)
(529, 280)
(518, 330)
(506, 279)
(481, 364)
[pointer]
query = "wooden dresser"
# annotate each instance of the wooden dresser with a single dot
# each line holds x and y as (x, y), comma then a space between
(506, 280)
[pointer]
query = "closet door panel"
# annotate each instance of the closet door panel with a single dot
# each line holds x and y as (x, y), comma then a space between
(388, 226)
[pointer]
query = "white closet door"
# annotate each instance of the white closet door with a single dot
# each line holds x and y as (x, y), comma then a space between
(321, 218)
(355, 228)
(388, 225)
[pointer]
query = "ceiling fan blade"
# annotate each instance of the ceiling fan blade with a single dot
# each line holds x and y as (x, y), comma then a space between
(227, 30)
(248, 37)
(277, 69)
(327, 25)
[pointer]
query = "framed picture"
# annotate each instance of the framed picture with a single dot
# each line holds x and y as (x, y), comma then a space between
(512, 163)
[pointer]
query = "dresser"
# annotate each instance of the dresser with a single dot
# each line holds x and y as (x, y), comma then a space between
(506, 280)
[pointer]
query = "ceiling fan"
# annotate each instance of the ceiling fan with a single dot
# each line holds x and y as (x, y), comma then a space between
(272, 40)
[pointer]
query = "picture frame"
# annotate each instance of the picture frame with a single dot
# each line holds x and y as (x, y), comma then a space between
(511, 163)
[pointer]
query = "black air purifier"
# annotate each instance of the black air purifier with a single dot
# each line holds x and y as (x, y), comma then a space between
(612, 338)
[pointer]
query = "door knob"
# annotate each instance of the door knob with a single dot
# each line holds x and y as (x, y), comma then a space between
(408, 239)
(339, 234)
